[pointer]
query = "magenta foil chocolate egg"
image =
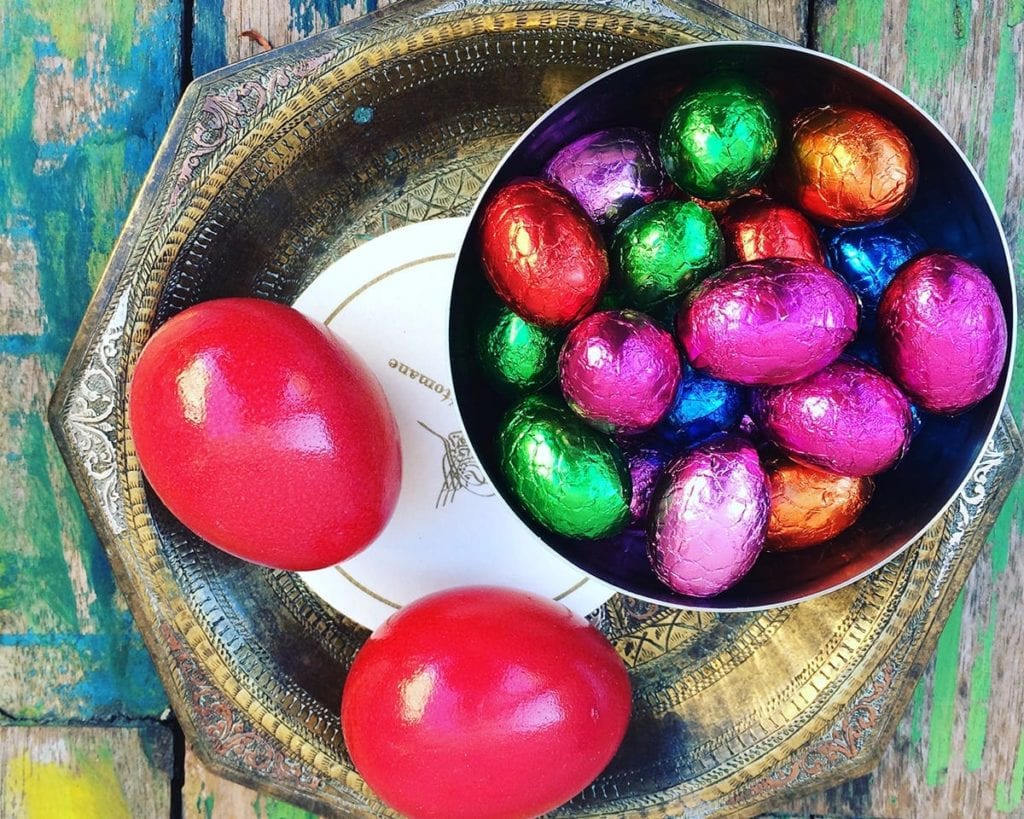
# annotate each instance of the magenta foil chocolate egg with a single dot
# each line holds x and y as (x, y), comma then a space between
(611, 173)
(849, 419)
(710, 518)
(942, 332)
(619, 371)
(768, 322)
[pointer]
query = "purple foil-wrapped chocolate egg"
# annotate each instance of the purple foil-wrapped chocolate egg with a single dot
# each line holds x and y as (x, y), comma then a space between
(942, 332)
(619, 371)
(710, 518)
(848, 419)
(646, 465)
(767, 322)
(611, 173)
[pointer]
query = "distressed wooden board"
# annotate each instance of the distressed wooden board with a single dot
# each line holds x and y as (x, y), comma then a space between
(86, 773)
(208, 796)
(960, 749)
(217, 25)
(785, 17)
(87, 90)
(117, 73)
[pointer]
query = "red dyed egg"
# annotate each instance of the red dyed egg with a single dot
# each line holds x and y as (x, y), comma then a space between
(265, 434)
(483, 702)
(762, 229)
(541, 253)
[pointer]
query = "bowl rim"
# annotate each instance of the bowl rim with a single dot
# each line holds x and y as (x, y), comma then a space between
(486, 189)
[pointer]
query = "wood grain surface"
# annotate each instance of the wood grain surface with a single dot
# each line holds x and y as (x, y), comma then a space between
(87, 90)
(86, 773)
(960, 749)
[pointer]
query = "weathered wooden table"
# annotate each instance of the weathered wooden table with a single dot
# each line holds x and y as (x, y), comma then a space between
(87, 91)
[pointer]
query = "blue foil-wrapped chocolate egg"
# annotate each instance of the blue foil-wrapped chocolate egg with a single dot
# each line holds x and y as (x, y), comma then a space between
(703, 405)
(868, 258)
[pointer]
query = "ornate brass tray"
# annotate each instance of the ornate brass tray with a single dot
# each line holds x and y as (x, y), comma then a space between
(270, 171)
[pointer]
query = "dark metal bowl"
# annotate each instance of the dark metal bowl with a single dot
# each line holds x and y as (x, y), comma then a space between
(951, 211)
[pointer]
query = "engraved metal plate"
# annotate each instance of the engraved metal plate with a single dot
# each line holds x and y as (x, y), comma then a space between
(272, 169)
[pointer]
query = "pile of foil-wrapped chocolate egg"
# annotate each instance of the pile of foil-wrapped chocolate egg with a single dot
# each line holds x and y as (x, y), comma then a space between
(720, 333)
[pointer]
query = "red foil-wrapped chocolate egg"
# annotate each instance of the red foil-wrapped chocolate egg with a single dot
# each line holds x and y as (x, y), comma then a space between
(848, 419)
(773, 321)
(541, 253)
(619, 371)
(762, 229)
(710, 518)
(849, 166)
(942, 332)
(809, 506)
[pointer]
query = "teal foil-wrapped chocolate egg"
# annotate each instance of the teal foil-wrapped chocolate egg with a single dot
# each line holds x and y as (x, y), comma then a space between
(663, 250)
(720, 137)
(515, 355)
(570, 478)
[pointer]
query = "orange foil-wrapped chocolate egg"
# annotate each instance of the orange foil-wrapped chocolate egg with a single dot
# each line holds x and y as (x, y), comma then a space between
(809, 506)
(849, 166)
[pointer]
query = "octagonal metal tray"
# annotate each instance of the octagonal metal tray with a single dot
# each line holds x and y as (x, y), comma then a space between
(274, 168)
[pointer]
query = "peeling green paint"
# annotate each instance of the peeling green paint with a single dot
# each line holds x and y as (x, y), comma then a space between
(1003, 530)
(917, 714)
(1015, 13)
(1000, 127)
(1010, 794)
(981, 691)
(42, 589)
(204, 803)
(849, 25)
(66, 185)
(266, 808)
(944, 683)
(932, 54)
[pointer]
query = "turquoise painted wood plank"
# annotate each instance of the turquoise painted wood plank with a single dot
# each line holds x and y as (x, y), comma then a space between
(87, 90)
(218, 24)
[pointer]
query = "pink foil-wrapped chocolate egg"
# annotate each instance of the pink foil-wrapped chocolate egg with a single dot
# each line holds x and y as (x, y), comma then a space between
(942, 332)
(848, 419)
(767, 322)
(619, 371)
(710, 518)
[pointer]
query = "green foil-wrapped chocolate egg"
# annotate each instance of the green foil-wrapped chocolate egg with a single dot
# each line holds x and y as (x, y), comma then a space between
(664, 249)
(570, 478)
(720, 137)
(516, 355)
